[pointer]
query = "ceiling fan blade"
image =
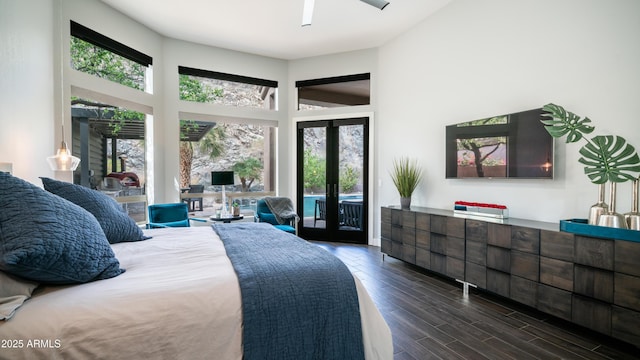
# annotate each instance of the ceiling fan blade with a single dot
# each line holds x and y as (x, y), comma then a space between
(380, 4)
(307, 12)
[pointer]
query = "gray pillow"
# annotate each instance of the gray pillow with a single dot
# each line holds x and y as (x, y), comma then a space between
(48, 239)
(13, 292)
(115, 223)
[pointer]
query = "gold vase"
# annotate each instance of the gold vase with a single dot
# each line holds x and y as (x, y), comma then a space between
(633, 217)
(611, 218)
(598, 208)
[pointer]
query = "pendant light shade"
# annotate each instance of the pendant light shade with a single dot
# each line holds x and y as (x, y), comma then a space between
(63, 160)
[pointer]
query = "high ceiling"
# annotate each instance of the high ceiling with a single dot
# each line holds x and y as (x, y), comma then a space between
(273, 27)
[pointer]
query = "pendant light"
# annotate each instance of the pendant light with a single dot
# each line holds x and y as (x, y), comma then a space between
(63, 160)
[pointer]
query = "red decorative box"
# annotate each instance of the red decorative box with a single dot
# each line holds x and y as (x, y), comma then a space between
(495, 211)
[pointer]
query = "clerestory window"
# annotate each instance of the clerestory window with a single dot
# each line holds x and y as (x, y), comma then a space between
(227, 89)
(101, 56)
(331, 92)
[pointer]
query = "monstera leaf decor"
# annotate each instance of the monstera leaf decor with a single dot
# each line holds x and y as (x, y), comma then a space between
(606, 158)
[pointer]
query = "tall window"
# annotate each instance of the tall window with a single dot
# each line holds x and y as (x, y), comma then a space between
(111, 144)
(349, 90)
(244, 148)
(110, 139)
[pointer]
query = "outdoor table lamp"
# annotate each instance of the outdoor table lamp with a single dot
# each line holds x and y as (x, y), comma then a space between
(222, 178)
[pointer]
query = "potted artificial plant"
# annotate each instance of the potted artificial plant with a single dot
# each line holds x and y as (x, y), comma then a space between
(235, 208)
(406, 175)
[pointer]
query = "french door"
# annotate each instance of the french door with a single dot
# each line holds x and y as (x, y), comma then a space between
(332, 179)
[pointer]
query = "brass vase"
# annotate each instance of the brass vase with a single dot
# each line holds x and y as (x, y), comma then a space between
(611, 218)
(633, 217)
(598, 208)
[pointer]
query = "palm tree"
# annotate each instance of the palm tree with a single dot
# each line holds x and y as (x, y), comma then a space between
(192, 89)
(186, 159)
(211, 143)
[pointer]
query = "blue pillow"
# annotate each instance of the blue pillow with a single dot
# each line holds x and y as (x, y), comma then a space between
(48, 239)
(115, 222)
(268, 218)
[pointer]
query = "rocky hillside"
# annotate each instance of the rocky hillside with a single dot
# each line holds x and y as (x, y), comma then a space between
(243, 141)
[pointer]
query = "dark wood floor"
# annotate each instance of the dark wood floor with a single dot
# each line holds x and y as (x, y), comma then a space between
(430, 319)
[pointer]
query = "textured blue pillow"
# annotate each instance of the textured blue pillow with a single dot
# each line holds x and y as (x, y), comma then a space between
(48, 239)
(115, 223)
(268, 218)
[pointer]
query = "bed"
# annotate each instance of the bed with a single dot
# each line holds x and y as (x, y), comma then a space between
(179, 298)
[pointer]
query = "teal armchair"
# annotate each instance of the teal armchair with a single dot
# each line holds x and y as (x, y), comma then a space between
(264, 214)
(169, 215)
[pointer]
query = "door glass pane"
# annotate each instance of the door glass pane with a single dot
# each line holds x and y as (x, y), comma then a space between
(351, 165)
(315, 177)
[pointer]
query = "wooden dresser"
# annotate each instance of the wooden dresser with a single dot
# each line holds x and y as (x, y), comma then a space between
(592, 282)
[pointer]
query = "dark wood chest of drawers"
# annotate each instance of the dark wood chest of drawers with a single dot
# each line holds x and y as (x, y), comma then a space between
(592, 282)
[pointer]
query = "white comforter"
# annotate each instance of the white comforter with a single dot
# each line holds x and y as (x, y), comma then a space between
(178, 299)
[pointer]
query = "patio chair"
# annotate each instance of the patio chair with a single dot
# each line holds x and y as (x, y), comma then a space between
(191, 202)
(320, 211)
(351, 214)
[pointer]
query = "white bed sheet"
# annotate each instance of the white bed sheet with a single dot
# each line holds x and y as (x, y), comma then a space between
(178, 299)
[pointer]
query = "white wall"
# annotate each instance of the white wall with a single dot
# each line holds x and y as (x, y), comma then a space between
(27, 87)
(475, 59)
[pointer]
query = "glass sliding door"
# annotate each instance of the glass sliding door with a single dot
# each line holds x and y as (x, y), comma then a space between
(332, 179)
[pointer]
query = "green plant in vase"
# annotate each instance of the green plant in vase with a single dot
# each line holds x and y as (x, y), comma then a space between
(607, 158)
(235, 206)
(406, 174)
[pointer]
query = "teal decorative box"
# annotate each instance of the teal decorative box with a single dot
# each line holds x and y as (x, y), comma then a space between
(581, 227)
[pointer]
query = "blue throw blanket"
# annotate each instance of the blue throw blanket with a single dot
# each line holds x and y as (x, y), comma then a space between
(298, 300)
